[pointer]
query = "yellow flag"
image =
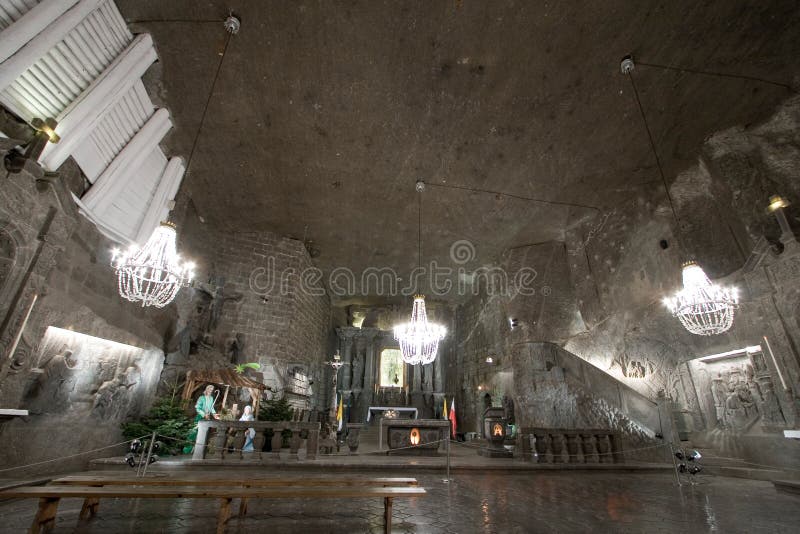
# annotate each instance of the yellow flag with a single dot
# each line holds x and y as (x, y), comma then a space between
(444, 409)
(339, 413)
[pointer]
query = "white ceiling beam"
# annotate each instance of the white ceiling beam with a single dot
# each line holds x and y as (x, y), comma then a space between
(113, 180)
(159, 208)
(19, 56)
(79, 119)
(30, 25)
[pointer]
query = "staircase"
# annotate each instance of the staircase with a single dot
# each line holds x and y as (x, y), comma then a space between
(368, 438)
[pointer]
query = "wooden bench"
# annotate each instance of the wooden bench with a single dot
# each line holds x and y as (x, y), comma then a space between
(166, 488)
(90, 506)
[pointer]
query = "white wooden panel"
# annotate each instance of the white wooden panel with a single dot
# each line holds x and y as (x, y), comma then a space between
(82, 115)
(13, 10)
(114, 131)
(120, 171)
(125, 213)
(41, 81)
(165, 192)
(19, 30)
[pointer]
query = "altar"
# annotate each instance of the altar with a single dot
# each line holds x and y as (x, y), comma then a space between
(393, 408)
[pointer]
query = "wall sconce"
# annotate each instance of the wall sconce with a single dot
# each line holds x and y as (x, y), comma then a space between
(45, 133)
(489, 360)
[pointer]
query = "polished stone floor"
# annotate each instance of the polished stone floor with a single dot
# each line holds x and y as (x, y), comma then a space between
(481, 503)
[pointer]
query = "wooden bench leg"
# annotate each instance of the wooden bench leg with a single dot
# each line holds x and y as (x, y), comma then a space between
(45, 519)
(224, 514)
(90, 506)
(387, 515)
(243, 506)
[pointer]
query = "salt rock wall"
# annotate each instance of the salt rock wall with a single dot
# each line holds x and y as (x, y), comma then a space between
(555, 389)
(255, 299)
(74, 354)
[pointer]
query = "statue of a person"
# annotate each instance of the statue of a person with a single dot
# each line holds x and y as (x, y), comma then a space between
(771, 409)
(250, 433)
(56, 383)
(205, 405)
(205, 410)
(234, 346)
(508, 409)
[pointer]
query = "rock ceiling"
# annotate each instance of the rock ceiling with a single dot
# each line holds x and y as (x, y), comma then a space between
(324, 114)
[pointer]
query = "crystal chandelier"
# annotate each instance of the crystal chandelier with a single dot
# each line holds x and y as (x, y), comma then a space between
(419, 339)
(703, 308)
(152, 274)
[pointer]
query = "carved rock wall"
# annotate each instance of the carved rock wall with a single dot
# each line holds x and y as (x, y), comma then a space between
(56, 273)
(257, 299)
(619, 264)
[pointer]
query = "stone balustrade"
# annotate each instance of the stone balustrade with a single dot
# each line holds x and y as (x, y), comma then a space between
(224, 439)
(575, 446)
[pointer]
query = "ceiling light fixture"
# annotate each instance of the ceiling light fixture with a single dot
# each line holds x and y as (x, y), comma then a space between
(419, 339)
(153, 274)
(703, 308)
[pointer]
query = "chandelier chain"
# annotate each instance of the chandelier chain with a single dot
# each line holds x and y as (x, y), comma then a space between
(419, 232)
(208, 103)
(655, 151)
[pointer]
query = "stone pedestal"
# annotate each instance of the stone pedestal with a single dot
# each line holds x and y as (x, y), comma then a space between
(494, 430)
(421, 437)
(353, 431)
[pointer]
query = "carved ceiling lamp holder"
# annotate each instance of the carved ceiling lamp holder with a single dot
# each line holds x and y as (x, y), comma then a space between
(703, 308)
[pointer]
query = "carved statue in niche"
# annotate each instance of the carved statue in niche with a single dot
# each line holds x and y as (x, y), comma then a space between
(508, 409)
(734, 411)
(719, 392)
(234, 346)
(759, 363)
(427, 377)
(52, 389)
(770, 408)
(358, 368)
(209, 299)
(112, 399)
(219, 296)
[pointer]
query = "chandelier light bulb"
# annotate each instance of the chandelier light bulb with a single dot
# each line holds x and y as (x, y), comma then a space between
(703, 308)
(419, 339)
(152, 274)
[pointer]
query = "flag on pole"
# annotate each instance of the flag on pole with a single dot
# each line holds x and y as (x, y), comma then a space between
(444, 408)
(452, 418)
(339, 413)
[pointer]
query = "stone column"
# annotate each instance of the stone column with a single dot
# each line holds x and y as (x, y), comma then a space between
(347, 357)
(369, 368)
(438, 372)
(416, 380)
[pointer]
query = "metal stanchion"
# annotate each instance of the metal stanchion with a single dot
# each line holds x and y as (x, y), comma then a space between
(674, 465)
(149, 453)
(447, 447)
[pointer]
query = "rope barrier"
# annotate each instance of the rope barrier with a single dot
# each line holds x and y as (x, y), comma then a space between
(748, 463)
(69, 456)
